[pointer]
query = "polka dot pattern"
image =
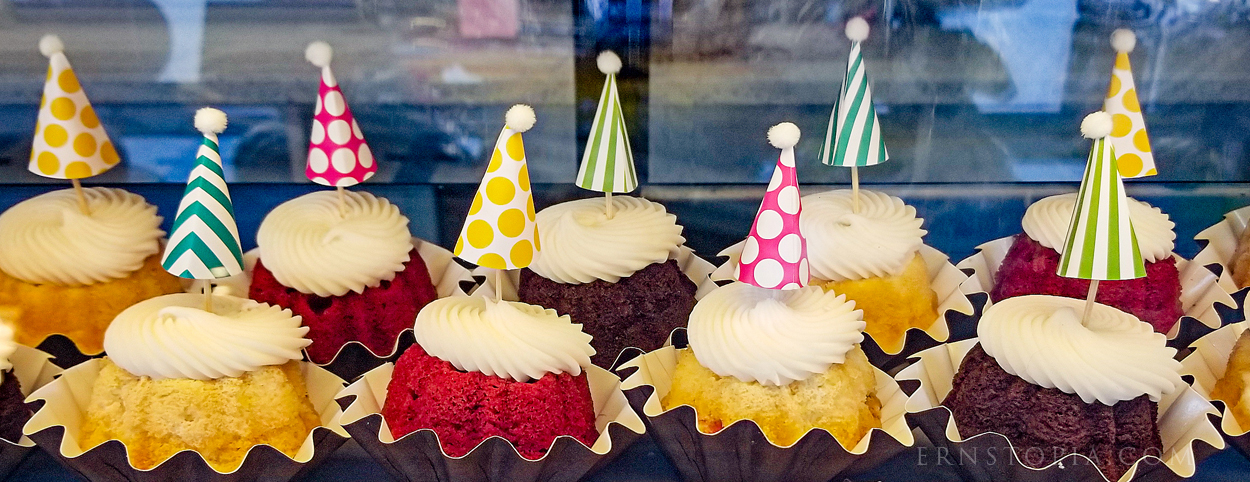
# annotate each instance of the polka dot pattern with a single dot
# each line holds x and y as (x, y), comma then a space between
(775, 253)
(336, 140)
(1128, 133)
(69, 142)
(500, 231)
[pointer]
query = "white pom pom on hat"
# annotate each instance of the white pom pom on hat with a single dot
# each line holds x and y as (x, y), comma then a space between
(608, 62)
(319, 53)
(784, 135)
(210, 121)
(857, 29)
(51, 44)
(1096, 125)
(520, 118)
(1123, 40)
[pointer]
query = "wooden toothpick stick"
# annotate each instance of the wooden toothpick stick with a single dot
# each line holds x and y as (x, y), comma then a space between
(498, 285)
(82, 197)
(855, 189)
(342, 201)
(208, 296)
(1089, 300)
(607, 204)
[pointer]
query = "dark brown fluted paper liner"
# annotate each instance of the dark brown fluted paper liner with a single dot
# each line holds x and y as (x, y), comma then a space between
(419, 456)
(1206, 364)
(354, 358)
(1204, 298)
(58, 420)
(1186, 425)
(695, 268)
(741, 452)
(956, 311)
(33, 369)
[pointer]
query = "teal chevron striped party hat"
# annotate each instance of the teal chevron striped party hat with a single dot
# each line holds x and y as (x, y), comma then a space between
(204, 242)
(854, 135)
(608, 163)
(1101, 244)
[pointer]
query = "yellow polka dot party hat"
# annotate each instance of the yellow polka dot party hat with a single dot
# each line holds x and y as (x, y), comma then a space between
(499, 231)
(69, 141)
(1128, 129)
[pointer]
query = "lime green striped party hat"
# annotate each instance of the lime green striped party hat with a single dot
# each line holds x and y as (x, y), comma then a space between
(1101, 244)
(608, 163)
(854, 135)
(204, 241)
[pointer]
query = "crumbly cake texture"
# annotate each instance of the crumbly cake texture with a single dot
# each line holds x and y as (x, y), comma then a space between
(81, 313)
(1234, 388)
(1030, 269)
(1045, 424)
(13, 410)
(465, 408)
(842, 400)
(221, 419)
(1240, 265)
(892, 304)
(637, 311)
(374, 318)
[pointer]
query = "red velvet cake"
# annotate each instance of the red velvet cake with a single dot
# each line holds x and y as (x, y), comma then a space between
(1030, 269)
(374, 317)
(466, 407)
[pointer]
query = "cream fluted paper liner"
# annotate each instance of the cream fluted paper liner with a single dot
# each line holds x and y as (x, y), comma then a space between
(419, 456)
(57, 425)
(1207, 364)
(1221, 243)
(945, 279)
(740, 451)
(1185, 427)
(1200, 288)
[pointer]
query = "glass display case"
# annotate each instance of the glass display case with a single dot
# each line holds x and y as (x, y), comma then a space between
(979, 102)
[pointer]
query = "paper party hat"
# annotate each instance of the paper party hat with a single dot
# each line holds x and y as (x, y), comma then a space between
(204, 242)
(1128, 127)
(69, 141)
(775, 253)
(608, 163)
(337, 152)
(1101, 244)
(854, 134)
(499, 231)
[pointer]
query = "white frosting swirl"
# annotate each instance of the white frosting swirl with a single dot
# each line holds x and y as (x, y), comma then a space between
(773, 337)
(1110, 358)
(878, 241)
(1046, 221)
(581, 244)
(47, 238)
(171, 336)
(503, 339)
(312, 246)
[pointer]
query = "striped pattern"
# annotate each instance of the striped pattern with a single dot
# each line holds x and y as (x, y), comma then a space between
(608, 163)
(204, 243)
(1101, 244)
(854, 134)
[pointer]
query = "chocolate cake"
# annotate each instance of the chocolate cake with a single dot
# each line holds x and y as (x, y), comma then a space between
(637, 311)
(13, 410)
(374, 318)
(465, 408)
(1030, 269)
(1045, 424)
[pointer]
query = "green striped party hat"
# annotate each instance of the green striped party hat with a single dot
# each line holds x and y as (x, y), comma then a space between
(854, 134)
(608, 163)
(204, 241)
(1101, 244)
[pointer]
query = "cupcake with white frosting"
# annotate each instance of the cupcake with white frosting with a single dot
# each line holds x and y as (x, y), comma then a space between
(620, 276)
(68, 272)
(1032, 261)
(347, 266)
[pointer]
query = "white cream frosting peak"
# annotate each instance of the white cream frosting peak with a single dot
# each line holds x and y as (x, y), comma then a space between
(505, 339)
(878, 241)
(48, 239)
(1047, 220)
(310, 245)
(773, 337)
(171, 336)
(581, 244)
(1109, 358)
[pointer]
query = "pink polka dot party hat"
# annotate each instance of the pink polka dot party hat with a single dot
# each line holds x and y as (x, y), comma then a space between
(337, 153)
(775, 253)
